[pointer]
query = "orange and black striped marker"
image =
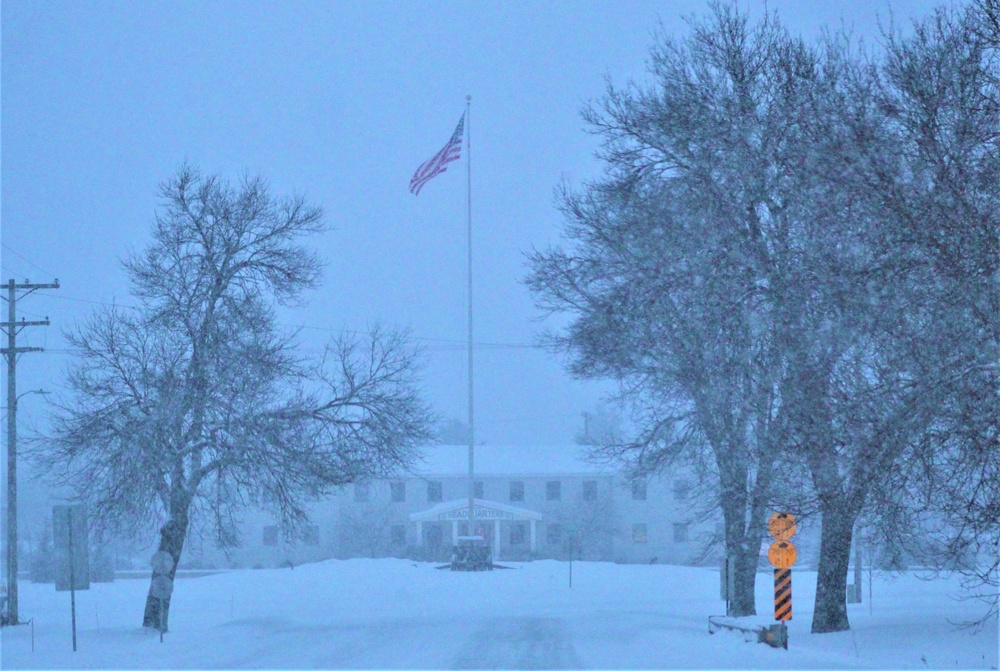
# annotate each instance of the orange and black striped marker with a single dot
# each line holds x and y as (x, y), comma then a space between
(782, 594)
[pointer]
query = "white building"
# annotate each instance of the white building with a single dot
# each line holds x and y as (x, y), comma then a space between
(531, 502)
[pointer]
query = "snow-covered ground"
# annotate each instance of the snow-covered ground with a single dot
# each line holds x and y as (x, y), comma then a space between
(391, 613)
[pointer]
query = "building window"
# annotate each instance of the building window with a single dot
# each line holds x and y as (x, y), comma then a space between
(639, 533)
(398, 492)
(434, 491)
(361, 492)
(435, 535)
(553, 490)
(399, 534)
(681, 489)
(310, 534)
(477, 489)
(553, 534)
(680, 533)
(516, 490)
(590, 490)
(639, 490)
(270, 535)
(517, 533)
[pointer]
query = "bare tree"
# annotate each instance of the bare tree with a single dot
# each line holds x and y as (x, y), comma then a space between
(675, 261)
(892, 307)
(366, 529)
(766, 270)
(936, 168)
(986, 21)
(589, 528)
(194, 404)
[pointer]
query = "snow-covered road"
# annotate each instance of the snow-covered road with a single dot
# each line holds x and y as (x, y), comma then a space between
(518, 643)
(394, 614)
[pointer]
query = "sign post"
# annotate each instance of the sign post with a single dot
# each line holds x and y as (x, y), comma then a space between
(727, 581)
(72, 566)
(162, 586)
(572, 532)
(854, 591)
(782, 555)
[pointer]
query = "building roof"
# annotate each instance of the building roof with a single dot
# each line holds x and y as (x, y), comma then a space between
(506, 460)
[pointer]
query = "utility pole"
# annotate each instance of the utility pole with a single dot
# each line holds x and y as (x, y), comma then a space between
(13, 327)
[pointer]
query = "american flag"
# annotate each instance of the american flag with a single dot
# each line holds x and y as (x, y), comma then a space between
(435, 165)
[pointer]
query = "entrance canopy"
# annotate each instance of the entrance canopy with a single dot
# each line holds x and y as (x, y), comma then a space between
(457, 510)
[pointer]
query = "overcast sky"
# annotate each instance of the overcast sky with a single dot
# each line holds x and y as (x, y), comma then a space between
(340, 102)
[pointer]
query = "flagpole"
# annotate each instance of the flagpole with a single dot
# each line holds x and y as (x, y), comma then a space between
(468, 163)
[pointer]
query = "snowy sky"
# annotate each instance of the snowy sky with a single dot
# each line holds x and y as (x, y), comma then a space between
(339, 101)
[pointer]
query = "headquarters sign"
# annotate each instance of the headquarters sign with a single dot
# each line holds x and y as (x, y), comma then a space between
(480, 514)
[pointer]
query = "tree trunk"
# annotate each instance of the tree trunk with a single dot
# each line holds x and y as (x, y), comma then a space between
(742, 545)
(743, 602)
(830, 612)
(172, 537)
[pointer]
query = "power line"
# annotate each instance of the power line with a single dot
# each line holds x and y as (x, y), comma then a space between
(458, 344)
(23, 258)
(91, 301)
(448, 341)
(31, 314)
(14, 268)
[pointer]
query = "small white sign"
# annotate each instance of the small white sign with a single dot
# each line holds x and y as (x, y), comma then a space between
(162, 562)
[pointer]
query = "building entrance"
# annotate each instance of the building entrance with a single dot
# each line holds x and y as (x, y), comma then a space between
(488, 517)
